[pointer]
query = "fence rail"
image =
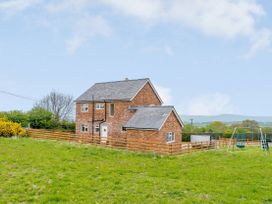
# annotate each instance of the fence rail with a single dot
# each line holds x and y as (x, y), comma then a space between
(132, 144)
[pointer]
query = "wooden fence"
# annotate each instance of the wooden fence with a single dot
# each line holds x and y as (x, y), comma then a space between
(131, 144)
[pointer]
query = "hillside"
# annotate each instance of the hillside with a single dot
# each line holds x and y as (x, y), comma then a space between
(226, 118)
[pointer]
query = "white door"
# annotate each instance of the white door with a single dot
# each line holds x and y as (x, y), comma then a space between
(104, 133)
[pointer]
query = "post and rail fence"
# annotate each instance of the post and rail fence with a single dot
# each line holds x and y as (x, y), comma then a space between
(135, 145)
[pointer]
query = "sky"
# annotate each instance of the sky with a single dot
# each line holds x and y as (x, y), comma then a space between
(205, 57)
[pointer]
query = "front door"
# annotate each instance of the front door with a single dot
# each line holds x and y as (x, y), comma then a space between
(104, 133)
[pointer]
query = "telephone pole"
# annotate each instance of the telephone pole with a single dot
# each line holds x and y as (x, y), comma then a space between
(192, 121)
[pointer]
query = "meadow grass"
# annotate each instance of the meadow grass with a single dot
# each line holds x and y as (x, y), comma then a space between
(33, 171)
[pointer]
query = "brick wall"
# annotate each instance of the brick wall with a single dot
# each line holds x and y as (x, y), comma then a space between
(135, 139)
(155, 141)
(122, 113)
(146, 97)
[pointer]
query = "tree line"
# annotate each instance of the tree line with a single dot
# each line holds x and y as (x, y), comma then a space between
(217, 128)
(52, 112)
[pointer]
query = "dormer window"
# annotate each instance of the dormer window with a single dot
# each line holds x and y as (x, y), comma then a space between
(84, 108)
(99, 106)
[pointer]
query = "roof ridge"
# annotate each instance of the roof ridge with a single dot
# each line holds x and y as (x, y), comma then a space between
(125, 80)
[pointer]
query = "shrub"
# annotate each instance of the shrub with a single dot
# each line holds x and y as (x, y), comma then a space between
(38, 118)
(41, 119)
(9, 129)
(16, 116)
(67, 125)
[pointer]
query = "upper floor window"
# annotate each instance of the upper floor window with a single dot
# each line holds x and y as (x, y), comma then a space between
(112, 109)
(100, 106)
(170, 137)
(84, 128)
(84, 108)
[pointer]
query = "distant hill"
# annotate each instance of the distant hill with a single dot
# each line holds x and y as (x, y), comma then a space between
(226, 118)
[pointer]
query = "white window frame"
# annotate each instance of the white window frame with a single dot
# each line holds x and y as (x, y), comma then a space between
(172, 137)
(84, 127)
(111, 109)
(84, 108)
(99, 106)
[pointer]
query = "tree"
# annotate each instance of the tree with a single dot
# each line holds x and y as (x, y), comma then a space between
(188, 128)
(250, 124)
(59, 104)
(216, 126)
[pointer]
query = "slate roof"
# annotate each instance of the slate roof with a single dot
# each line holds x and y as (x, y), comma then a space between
(151, 117)
(119, 90)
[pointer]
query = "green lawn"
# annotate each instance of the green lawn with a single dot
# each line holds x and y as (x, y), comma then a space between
(55, 172)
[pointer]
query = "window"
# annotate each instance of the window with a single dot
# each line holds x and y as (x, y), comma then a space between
(170, 137)
(99, 106)
(112, 109)
(84, 108)
(84, 128)
(97, 128)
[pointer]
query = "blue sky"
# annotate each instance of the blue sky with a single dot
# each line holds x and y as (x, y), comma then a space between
(204, 57)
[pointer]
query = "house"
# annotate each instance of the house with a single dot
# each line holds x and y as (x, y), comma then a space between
(127, 113)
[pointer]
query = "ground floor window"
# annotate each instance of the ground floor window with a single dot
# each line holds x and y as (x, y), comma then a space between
(84, 128)
(97, 128)
(170, 137)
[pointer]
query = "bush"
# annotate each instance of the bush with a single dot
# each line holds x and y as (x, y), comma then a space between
(9, 129)
(40, 118)
(67, 125)
(16, 116)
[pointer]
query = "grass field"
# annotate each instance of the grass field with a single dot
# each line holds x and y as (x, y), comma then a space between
(54, 172)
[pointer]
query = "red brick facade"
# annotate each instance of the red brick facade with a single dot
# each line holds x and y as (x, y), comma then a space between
(156, 140)
(145, 97)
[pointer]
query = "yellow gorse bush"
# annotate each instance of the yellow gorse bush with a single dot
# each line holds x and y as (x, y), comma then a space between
(8, 129)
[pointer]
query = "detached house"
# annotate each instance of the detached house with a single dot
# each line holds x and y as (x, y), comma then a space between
(127, 113)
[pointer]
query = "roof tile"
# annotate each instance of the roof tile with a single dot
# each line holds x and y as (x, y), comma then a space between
(118, 90)
(150, 117)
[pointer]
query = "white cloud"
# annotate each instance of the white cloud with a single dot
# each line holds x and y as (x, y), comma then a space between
(82, 23)
(144, 9)
(67, 5)
(86, 28)
(228, 19)
(211, 104)
(261, 41)
(13, 6)
(165, 94)
(225, 18)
